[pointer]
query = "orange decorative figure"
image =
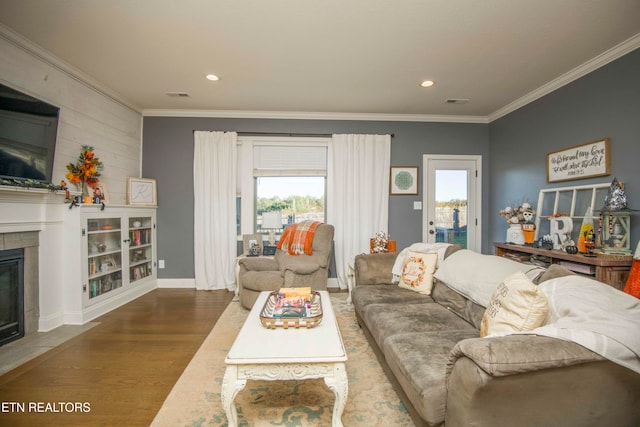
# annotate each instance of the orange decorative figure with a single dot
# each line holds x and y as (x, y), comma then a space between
(529, 227)
(67, 195)
(587, 226)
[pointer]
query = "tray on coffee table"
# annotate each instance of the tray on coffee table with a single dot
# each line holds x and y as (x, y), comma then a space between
(311, 318)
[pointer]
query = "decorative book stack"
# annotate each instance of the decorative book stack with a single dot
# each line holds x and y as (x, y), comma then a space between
(292, 302)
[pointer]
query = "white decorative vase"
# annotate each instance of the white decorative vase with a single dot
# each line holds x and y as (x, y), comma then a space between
(515, 234)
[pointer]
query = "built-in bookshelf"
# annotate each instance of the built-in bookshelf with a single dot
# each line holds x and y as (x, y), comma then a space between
(118, 256)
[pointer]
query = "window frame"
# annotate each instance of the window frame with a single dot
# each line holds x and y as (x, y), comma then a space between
(246, 173)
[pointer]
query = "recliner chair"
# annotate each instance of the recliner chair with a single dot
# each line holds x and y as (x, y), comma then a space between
(259, 274)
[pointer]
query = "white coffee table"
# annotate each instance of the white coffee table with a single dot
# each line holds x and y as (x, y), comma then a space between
(259, 353)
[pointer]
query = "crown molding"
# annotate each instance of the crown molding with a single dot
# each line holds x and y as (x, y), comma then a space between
(298, 115)
(67, 69)
(599, 61)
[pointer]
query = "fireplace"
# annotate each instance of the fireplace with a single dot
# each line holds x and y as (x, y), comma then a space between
(11, 295)
(34, 221)
(19, 285)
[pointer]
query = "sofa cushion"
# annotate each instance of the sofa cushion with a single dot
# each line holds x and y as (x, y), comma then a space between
(516, 306)
(377, 294)
(385, 320)
(476, 276)
(418, 360)
(364, 296)
(452, 300)
(417, 272)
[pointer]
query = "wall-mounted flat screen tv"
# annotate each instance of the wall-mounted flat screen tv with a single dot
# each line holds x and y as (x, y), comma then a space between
(28, 129)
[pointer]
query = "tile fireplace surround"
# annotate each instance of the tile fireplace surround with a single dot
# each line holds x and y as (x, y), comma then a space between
(27, 240)
(33, 219)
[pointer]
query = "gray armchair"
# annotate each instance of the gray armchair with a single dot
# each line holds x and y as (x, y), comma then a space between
(266, 274)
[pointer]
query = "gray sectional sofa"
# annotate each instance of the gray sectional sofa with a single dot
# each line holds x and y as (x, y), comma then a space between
(429, 347)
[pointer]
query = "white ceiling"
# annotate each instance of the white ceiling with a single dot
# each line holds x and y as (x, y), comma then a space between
(353, 58)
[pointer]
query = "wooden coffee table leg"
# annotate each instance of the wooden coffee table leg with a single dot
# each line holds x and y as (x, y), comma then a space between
(231, 386)
(339, 384)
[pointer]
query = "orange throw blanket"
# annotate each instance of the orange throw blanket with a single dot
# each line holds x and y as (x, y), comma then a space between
(298, 238)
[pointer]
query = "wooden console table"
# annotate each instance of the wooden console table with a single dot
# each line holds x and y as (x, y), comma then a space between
(612, 270)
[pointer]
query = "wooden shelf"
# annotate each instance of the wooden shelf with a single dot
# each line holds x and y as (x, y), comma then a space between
(610, 269)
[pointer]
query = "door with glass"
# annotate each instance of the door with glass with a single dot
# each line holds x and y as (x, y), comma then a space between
(452, 200)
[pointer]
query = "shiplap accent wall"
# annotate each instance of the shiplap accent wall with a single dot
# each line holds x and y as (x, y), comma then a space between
(88, 115)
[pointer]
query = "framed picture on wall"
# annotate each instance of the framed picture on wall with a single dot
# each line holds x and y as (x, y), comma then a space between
(404, 180)
(141, 191)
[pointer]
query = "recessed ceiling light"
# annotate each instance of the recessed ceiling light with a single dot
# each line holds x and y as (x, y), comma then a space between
(213, 77)
(427, 83)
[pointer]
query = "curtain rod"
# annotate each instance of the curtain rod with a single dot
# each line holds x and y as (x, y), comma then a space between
(315, 135)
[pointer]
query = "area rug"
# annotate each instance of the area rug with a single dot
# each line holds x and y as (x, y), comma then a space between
(195, 398)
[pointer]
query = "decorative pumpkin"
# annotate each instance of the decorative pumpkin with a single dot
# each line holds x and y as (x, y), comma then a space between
(571, 250)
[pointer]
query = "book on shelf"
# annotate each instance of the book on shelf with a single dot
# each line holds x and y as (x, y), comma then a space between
(140, 272)
(292, 302)
(140, 237)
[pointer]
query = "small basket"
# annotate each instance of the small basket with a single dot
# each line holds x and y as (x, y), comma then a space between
(309, 320)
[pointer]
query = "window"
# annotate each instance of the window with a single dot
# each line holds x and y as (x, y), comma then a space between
(287, 200)
(281, 180)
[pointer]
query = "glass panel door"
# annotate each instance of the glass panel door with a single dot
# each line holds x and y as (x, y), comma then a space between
(451, 201)
(140, 248)
(104, 255)
(451, 204)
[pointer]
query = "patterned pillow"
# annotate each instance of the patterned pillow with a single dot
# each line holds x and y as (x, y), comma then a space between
(417, 272)
(516, 306)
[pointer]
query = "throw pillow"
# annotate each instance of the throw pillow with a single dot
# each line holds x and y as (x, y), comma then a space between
(417, 272)
(516, 306)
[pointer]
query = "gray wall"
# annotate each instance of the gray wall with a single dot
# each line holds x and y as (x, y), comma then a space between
(604, 103)
(168, 157)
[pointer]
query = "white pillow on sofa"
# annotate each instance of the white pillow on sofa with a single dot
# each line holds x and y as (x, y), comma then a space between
(516, 306)
(417, 272)
(477, 276)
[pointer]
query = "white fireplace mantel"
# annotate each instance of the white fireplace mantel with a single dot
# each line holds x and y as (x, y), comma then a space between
(30, 195)
(27, 209)
(43, 211)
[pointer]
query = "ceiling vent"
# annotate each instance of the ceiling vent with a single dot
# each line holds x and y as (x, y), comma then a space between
(178, 94)
(457, 101)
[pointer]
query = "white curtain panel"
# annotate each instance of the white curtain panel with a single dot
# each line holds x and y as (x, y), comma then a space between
(214, 184)
(357, 194)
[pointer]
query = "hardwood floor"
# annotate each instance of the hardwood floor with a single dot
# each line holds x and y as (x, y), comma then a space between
(117, 373)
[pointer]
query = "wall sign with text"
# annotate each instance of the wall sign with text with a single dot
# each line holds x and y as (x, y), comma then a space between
(581, 161)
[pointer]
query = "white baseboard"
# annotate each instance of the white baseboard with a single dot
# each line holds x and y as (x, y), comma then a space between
(49, 323)
(177, 283)
(89, 313)
(333, 283)
(191, 283)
